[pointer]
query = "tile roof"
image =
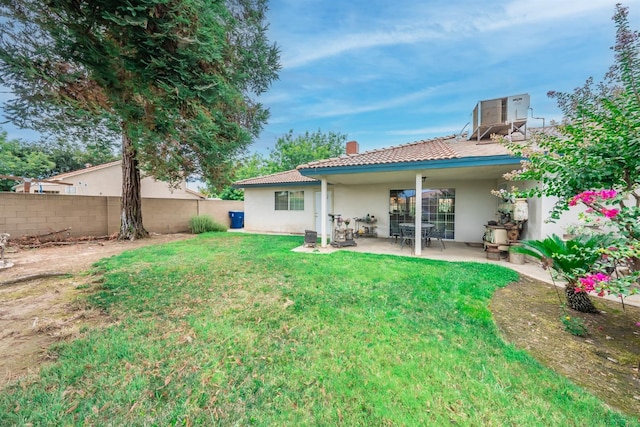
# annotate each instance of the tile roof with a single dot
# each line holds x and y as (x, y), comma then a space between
(432, 149)
(287, 177)
(444, 148)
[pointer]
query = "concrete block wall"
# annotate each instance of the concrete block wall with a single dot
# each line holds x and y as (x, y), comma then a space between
(34, 214)
(168, 215)
(219, 209)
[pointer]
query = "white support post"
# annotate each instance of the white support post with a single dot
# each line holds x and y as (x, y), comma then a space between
(323, 212)
(418, 220)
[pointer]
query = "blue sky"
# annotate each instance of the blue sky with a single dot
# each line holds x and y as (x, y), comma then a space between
(390, 72)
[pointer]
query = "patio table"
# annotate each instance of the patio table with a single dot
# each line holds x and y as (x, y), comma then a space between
(409, 228)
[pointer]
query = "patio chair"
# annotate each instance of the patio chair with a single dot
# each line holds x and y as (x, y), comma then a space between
(406, 236)
(394, 232)
(437, 233)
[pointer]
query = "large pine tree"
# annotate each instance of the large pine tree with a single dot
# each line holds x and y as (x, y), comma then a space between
(176, 80)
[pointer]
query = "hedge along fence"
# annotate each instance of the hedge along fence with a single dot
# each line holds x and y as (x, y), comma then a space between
(33, 214)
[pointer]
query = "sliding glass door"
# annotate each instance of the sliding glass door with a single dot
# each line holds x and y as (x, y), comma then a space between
(438, 207)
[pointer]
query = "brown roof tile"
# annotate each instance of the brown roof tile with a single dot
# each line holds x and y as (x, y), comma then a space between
(287, 177)
(420, 151)
(432, 149)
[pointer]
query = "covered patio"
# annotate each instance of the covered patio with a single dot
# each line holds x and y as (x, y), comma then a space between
(441, 181)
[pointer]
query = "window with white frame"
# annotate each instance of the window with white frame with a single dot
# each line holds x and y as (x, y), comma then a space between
(289, 200)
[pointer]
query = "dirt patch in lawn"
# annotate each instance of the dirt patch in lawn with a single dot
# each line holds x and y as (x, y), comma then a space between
(39, 302)
(605, 361)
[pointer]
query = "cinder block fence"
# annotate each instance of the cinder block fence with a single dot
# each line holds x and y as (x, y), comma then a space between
(33, 214)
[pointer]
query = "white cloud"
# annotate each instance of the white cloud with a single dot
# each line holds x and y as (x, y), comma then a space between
(525, 12)
(455, 23)
(327, 48)
(334, 108)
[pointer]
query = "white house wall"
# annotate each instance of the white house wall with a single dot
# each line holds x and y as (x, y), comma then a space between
(474, 204)
(559, 226)
(260, 214)
(356, 201)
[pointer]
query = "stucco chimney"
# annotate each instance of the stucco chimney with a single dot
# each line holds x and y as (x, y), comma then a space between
(352, 147)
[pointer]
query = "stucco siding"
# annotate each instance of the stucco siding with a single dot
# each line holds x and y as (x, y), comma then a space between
(107, 181)
(559, 226)
(261, 216)
(153, 188)
(475, 206)
(356, 201)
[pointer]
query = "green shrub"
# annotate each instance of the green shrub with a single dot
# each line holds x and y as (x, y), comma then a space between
(574, 325)
(204, 223)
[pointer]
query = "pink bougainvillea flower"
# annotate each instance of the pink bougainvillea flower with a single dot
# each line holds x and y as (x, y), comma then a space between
(587, 283)
(590, 196)
(609, 213)
(590, 281)
(608, 194)
(638, 324)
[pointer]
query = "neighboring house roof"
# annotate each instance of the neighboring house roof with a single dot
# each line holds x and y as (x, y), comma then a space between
(275, 179)
(444, 148)
(117, 163)
(195, 193)
(62, 176)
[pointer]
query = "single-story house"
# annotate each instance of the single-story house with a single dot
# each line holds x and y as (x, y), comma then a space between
(106, 180)
(453, 175)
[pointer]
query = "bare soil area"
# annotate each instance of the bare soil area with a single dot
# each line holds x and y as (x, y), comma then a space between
(39, 299)
(605, 361)
(41, 310)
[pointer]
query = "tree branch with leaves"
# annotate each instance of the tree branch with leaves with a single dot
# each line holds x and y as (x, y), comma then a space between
(175, 81)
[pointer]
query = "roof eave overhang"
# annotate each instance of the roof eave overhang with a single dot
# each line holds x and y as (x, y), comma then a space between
(463, 162)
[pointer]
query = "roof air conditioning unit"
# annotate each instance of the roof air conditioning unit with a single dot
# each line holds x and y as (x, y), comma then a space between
(500, 116)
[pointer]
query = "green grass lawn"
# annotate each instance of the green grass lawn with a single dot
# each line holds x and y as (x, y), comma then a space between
(230, 329)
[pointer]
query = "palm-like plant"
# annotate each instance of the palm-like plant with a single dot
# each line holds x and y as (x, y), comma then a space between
(570, 259)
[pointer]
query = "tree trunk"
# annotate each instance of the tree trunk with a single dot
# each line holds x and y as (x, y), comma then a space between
(131, 227)
(579, 301)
